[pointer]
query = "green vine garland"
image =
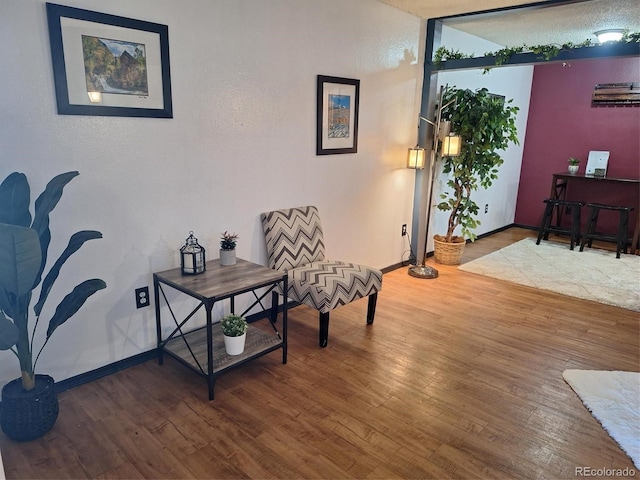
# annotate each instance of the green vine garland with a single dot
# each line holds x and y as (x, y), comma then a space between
(544, 52)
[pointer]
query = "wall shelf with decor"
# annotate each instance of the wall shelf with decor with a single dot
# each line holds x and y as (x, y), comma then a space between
(606, 94)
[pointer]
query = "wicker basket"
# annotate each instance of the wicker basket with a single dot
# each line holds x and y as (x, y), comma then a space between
(448, 253)
(25, 416)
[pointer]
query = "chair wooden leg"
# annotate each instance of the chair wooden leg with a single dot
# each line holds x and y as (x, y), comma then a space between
(543, 231)
(575, 227)
(594, 224)
(623, 233)
(591, 228)
(371, 310)
(324, 329)
(635, 243)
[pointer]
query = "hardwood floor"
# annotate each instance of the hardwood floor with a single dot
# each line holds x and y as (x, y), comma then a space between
(459, 377)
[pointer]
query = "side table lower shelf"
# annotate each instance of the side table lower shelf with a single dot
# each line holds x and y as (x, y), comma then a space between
(258, 343)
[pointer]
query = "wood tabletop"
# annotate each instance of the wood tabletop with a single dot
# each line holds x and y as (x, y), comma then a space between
(573, 176)
(219, 281)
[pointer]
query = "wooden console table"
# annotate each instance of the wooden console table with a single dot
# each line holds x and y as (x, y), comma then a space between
(559, 191)
(202, 349)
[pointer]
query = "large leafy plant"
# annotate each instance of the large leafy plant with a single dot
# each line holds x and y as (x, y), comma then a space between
(486, 123)
(24, 244)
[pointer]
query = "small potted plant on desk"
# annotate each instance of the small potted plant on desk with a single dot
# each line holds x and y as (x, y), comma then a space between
(228, 248)
(234, 329)
(574, 164)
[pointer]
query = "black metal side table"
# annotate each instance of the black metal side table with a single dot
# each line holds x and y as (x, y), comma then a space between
(202, 349)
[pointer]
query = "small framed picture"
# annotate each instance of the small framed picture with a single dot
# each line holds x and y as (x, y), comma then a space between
(337, 110)
(109, 65)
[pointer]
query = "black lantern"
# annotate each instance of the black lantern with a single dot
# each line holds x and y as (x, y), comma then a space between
(192, 261)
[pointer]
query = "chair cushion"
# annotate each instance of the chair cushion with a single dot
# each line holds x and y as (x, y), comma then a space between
(328, 284)
(294, 237)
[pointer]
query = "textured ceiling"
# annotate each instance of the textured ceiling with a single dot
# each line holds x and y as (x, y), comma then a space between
(572, 22)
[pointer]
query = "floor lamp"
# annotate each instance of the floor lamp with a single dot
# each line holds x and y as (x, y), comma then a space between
(450, 148)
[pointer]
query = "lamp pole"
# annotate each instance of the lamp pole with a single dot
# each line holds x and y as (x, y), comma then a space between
(423, 270)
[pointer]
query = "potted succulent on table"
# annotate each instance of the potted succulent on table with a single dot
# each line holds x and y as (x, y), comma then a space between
(228, 248)
(486, 123)
(30, 404)
(574, 164)
(234, 330)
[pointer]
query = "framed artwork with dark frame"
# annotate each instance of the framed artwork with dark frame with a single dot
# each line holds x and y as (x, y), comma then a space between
(337, 111)
(109, 65)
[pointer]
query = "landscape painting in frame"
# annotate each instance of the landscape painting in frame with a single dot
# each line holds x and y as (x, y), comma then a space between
(114, 66)
(337, 112)
(109, 65)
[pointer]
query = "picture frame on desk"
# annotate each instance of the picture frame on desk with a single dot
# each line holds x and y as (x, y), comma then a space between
(109, 65)
(597, 164)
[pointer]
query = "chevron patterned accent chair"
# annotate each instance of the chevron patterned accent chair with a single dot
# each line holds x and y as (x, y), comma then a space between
(295, 244)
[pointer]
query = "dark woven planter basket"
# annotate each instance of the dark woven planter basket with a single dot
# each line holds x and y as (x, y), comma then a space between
(28, 415)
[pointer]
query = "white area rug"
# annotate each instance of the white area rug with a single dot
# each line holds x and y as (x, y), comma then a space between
(592, 274)
(613, 398)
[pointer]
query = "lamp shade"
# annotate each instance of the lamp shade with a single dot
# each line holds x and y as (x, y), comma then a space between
(192, 259)
(445, 129)
(415, 158)
(451, 146)
(610, 35)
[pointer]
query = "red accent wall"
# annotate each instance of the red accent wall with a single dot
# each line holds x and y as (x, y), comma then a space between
(562, 124)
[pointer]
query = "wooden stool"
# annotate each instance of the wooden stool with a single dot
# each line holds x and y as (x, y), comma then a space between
(573, 231)
(621, 238)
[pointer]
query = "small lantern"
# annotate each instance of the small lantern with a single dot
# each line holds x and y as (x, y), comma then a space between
(451, 145)
(415, 159)
(192, 261)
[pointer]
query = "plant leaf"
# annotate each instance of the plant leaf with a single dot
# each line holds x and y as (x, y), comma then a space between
(14, 200)
(20, 258)
(6, 305)
(45, 203)
(8, 333)
(73, 301)
(75, 242)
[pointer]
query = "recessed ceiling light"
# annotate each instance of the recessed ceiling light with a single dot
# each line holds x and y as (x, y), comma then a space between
(610, 35)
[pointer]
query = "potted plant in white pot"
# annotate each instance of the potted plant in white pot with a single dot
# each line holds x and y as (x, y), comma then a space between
(574, 165)
(486, 123)
(234, 330)
(228, 248)
(30, 404)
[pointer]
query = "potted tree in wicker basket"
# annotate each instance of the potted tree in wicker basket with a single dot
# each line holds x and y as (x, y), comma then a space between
(486, 123)
(29, 404)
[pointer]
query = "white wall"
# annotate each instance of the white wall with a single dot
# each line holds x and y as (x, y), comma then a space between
(242, 141)
(514, 83)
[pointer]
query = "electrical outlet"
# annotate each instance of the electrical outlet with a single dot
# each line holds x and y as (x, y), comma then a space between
(142, 297)
(486, 208)
(404, 229)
